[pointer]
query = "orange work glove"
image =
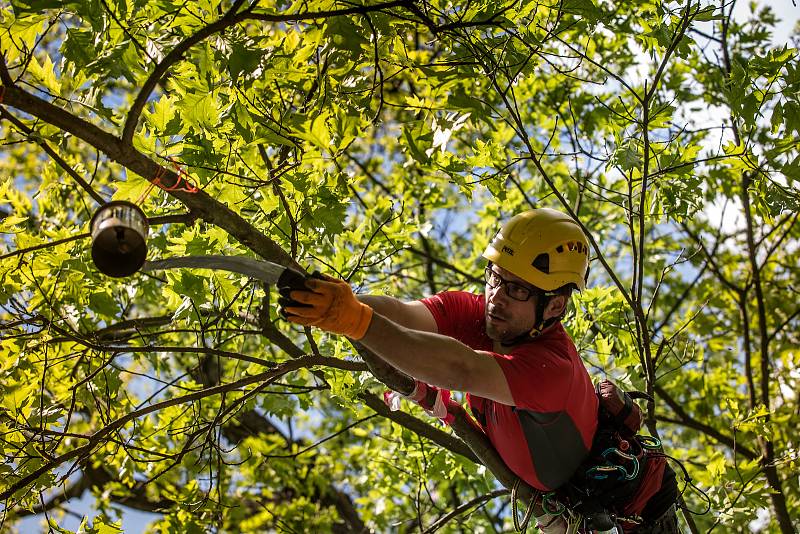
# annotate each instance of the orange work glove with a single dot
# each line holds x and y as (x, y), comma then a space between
(329, 304)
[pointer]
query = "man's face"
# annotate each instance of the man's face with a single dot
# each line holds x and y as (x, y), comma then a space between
(508, 318)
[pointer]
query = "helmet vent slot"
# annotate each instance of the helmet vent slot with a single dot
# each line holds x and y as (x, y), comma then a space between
(542, 262)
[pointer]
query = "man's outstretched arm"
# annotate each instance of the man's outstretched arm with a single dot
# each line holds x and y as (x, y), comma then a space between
(413, 315)
(408, 343)
(436, 359)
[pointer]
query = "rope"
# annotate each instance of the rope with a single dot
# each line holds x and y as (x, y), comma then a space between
(573, 522)
(521, 527)
(155, 181)
(183, 183)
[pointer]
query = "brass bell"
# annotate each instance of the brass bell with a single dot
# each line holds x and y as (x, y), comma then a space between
(119, 238)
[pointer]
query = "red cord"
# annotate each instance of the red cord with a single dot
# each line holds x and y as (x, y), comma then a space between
(183, 183)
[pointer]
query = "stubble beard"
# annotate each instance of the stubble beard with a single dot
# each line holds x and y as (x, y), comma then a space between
(500, 334)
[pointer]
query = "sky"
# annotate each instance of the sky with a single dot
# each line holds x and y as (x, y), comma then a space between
(728, 217)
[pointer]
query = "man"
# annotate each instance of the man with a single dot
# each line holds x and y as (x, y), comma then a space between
(526, 384)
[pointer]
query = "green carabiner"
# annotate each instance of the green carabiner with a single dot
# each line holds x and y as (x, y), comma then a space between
(628, 475)
(547, 498)
(649, 442)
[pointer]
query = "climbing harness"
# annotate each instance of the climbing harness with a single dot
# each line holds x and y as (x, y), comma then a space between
(612, 475)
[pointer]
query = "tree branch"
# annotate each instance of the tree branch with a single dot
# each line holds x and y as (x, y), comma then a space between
(688, 421)
(200, 204)
(95, 438)
(54, 155)
(463, 426)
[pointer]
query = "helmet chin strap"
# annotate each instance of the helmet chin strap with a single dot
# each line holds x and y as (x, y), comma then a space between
(542, 300)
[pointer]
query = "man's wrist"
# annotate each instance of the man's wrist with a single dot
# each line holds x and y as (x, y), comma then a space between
(362, 323)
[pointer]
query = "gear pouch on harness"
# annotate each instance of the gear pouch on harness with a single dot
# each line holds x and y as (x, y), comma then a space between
(616, 467)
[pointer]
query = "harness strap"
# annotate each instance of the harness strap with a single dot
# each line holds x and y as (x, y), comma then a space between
(522, 527)
(626, 410)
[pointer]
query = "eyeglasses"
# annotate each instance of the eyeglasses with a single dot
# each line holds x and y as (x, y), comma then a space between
(514, 290)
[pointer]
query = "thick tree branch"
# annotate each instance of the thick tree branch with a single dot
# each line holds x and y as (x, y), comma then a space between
(457, 511)
(463, 426)
(200, 204)
(421, 428)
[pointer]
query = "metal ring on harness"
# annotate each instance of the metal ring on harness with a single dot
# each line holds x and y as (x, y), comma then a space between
(602, 472)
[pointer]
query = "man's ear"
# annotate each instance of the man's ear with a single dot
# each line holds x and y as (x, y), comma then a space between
(556, 306)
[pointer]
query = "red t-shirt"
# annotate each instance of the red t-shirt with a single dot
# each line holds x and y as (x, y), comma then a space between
(548, 432)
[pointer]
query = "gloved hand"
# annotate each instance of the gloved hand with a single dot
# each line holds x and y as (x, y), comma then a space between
(329, 304)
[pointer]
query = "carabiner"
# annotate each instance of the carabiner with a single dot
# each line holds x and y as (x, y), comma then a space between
(560, 506)
(649, 442)
(628, 475)
(602, 472)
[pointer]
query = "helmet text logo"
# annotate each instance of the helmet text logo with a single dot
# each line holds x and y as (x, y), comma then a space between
(508, 250)
(577, 246)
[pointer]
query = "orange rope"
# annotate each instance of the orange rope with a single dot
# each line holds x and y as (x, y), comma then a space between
(155, 181)
(182, 183)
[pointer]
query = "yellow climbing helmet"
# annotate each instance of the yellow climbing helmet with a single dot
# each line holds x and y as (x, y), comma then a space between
(544, 247)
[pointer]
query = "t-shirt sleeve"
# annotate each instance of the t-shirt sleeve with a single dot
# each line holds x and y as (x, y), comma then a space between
(458, 314)
(539, 379)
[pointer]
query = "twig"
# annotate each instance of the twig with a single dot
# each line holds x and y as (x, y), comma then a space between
(463, 508)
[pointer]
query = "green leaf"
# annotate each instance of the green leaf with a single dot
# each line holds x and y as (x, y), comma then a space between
(23, 32)
(78, 47)
(132, 189)
(243, 60)
(191, 286)
(792, 170)
(196, 109)
(585, 9)
(46, 74)
(317, 132)
(102, 302)
(791, 116)
(627, 156)
(717, 466)
(411, 138)
(163, 112)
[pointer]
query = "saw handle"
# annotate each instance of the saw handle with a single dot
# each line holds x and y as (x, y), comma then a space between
(292, 280)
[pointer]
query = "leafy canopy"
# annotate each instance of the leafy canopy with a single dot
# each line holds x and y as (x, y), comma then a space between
(382, 142)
